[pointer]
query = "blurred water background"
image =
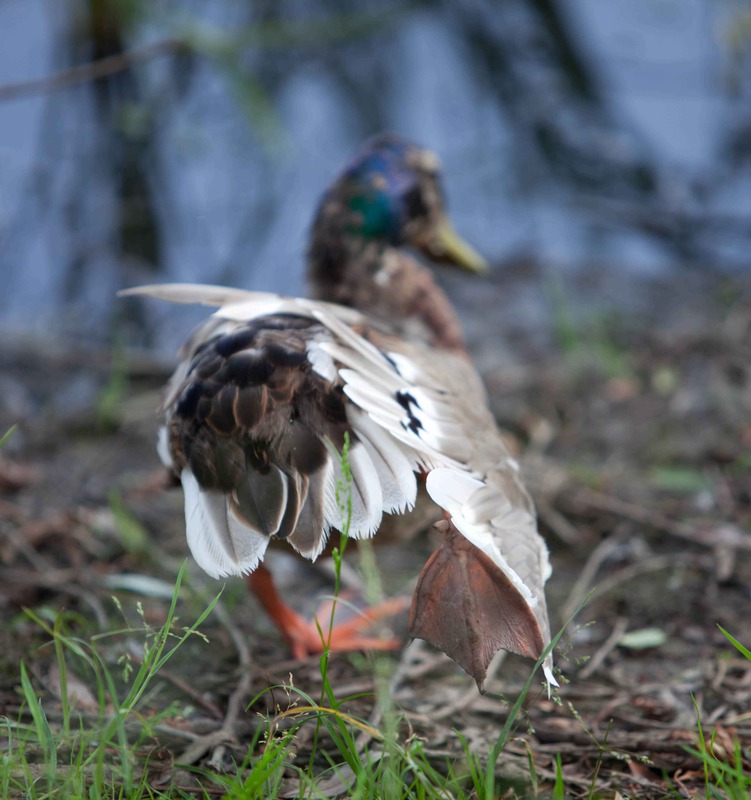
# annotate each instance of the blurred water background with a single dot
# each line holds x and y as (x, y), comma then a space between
(608, 135)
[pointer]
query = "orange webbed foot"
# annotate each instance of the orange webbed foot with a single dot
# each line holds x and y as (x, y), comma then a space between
(310, 637)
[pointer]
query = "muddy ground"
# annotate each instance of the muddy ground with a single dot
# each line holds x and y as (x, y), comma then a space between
(629, 403)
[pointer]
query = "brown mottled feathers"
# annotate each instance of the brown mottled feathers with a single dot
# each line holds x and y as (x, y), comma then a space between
(404, 293)
(251, 418)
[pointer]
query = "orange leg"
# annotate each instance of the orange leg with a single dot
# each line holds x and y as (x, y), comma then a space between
(304, 638)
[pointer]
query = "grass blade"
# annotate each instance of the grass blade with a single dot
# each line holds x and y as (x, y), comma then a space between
(45, 737)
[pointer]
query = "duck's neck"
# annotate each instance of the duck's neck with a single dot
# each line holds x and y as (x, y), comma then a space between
(382, 282)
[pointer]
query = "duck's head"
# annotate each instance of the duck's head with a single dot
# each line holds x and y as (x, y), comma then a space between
(389, 196)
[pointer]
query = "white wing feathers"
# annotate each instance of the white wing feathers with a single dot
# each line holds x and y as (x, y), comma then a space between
(476, 509)
(395, 465)
(219, 542)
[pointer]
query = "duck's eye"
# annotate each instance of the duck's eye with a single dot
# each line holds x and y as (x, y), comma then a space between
(415, 206)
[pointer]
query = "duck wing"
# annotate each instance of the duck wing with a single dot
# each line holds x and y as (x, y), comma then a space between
(483, 590)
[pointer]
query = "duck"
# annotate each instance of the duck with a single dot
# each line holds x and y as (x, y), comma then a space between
(271, 390)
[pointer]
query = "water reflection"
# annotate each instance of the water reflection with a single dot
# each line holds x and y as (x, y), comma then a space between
(570, 132)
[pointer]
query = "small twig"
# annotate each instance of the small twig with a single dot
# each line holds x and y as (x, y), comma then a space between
(59, 580)
(655, 564)
(569, 534)
(19, 543)
(88, 72)
(238, 638)
(727, 535)
(583, 584)
(192, 693)
(416, 662)
(467, 699)
(620, 627)
(218, 739)
(400, 673)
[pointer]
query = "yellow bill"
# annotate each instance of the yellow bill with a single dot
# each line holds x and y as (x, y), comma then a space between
(449, 246)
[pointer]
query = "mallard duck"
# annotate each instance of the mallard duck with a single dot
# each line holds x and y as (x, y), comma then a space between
(257, 414)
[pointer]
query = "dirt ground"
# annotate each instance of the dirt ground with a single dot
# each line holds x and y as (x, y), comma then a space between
(629, 403)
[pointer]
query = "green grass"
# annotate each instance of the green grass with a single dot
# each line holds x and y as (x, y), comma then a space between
(55, 750)
(79, 755)
(92, 756)
(590, 340)
(98, 754)
(88, 755)
(725, 773)
(110, 401)
(4, 438)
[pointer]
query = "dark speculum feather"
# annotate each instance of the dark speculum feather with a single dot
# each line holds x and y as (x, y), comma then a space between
(198, 445)
(221, 418)
(247, 368)
(331, 405)
(306, 452)
(203, 409)
(257, 454)
(391, 362)
(229, 344)
(229, 463)
(292, 510)
(188, 402)
(207, 366)
(406, 401)
(250, 406)
(261, 499)
(284, 356)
